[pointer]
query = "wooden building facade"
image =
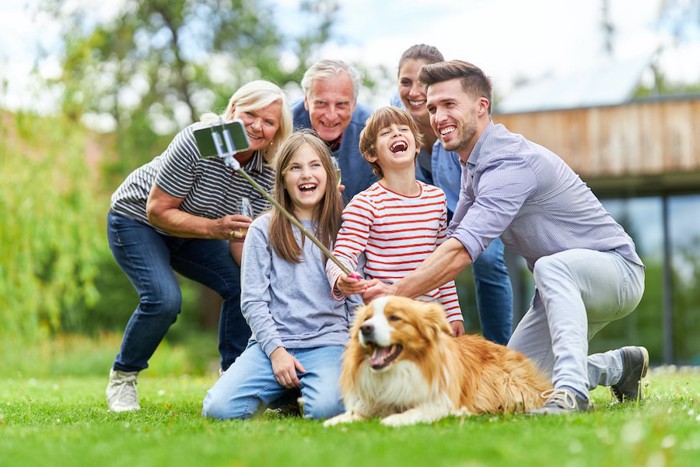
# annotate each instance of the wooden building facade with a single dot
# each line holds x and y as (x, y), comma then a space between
(640, 147)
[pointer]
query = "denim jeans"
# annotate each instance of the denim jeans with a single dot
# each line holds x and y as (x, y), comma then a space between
(578, 292)
(249, 385)
(494, 294)
(150, 260)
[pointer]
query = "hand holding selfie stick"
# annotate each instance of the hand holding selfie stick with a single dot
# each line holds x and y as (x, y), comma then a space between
(226, 151)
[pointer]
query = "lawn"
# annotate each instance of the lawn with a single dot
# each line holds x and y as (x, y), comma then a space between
(55, 414)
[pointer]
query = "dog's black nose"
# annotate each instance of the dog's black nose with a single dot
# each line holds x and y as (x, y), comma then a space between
(367, 329)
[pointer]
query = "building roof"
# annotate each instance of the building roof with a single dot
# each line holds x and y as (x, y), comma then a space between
(609, 84)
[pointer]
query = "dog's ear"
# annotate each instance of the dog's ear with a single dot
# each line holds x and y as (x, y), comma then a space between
(434, 320)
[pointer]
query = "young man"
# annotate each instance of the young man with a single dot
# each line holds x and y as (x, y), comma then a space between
(586, 270)
(330, 108)
(435, 165)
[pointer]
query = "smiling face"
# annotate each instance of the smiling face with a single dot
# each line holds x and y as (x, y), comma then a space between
(330, 103)
(395, 148)
(305, 181)
(261, 125)
(455, 116)
(411, 93)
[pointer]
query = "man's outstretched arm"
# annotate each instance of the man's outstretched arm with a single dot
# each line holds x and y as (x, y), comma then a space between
(442, 266)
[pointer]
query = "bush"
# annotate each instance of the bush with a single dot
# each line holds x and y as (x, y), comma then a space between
(52, 228)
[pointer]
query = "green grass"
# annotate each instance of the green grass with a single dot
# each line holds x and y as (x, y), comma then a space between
(51, 419)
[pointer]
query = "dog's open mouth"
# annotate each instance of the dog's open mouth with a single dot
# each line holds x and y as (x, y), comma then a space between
(383, 356)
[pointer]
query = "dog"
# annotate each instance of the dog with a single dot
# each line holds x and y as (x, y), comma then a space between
(402, 364)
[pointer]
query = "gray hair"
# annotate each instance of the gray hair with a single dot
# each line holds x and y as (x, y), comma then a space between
(326, 69)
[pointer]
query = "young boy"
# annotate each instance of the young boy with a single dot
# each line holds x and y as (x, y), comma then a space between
(396, 222)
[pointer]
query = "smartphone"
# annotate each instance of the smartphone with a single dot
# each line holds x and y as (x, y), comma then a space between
(212, 135)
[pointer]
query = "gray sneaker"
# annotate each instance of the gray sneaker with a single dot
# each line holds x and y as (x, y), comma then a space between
(121, 391)
(560, 402)
(635, 362)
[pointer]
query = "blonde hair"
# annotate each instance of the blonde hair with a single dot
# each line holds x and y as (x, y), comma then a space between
(382, 118)
(327, 212)
(256, 95)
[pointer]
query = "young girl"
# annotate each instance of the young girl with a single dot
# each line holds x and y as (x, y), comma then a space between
(299, 330)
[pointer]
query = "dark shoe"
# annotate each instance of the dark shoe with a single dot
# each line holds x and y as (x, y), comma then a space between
(560, 402)
(635, 362)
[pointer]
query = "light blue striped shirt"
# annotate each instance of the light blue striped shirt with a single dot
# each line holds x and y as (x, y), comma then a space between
(527, 195)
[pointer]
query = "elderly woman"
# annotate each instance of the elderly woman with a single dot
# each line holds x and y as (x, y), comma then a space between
(178, 213)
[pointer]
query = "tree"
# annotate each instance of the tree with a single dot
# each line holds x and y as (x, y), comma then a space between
(148, 70)
(158, 64)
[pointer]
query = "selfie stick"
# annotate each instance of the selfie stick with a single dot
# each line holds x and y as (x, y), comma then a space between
(227, 153)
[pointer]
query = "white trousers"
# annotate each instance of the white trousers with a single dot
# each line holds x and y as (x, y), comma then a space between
(577, 293)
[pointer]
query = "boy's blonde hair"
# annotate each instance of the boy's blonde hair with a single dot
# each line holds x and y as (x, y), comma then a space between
(382, 118)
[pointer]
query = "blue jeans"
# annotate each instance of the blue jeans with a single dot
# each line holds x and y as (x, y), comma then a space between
(577, 293)
(150, 260)
(249, 385)
(494, 294)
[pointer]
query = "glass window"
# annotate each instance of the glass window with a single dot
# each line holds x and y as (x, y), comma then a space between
(684, 229)
(642, 219)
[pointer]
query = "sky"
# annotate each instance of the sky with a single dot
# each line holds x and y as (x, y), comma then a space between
(511, 40)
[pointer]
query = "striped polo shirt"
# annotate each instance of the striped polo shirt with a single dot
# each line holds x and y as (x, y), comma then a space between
(207, 187)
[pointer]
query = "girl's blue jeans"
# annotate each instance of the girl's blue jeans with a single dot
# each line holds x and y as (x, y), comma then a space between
(249, 385)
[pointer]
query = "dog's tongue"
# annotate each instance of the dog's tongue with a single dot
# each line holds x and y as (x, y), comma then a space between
(379, 356)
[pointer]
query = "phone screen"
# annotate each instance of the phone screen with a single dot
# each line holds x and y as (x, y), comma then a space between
(209, 134)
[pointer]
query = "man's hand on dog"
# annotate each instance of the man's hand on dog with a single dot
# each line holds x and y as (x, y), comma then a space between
(457, 328)
(377, 289)
(285, 367)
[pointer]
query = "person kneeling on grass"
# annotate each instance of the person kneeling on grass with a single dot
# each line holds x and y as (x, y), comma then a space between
(299, 330)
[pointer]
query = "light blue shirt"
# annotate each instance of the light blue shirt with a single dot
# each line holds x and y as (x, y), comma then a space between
(290, 305)
(527, 195)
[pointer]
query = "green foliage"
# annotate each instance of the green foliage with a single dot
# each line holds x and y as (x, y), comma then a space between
(89, 356)
(158, 65)
(151, 69)
(52, 227)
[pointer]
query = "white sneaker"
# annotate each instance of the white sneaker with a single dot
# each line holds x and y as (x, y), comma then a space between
(121, 391)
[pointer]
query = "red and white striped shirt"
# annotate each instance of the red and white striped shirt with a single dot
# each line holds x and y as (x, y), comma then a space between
(395, 233)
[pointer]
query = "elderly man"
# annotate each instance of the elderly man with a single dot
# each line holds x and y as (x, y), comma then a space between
(330, 108)
(586, 270)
